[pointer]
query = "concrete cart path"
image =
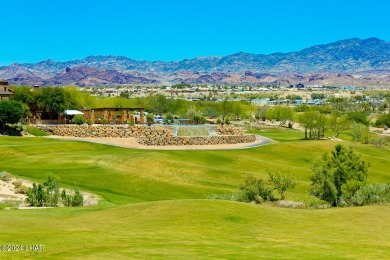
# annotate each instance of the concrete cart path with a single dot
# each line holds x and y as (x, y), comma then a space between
(132, 143)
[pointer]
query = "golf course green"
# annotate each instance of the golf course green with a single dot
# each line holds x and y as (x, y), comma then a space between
(154, 203)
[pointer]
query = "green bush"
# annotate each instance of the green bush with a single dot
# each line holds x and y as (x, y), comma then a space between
(48, 194)
(383, 120)
(37, 196)
(254, 189)
(316, 203)
(78, 119)
(77, 199)
(368, 194)
(149, 119)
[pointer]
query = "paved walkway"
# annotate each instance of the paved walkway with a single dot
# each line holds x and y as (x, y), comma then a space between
(263, 141)
(132, 143)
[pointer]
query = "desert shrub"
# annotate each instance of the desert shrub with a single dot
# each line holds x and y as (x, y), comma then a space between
(302, 108)
(5, 176)
(383, 120)
(77, 199)
(37, 196)
(291, 204)
(52, 190)
(19, 187)
(201, 120)
(48, 194)
(254, 189)
(317, 95)
(368, 194)
(17, 183)
(380, 141)
(22, 190)
(229, 196)
(66, 198)
(315, 203)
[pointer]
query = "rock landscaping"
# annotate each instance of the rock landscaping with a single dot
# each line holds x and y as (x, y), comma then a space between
(152, 135)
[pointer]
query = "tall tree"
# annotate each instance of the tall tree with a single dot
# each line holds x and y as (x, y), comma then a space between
(281, 182)
(338, 123)
(54, 100)
(225, 108)
(314, 122)
(11, 112)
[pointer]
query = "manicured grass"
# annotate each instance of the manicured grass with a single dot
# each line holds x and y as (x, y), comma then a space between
(154, 203)
(35, 131)
(200, 229)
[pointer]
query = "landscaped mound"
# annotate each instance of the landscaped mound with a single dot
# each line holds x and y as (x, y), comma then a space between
(151, 135)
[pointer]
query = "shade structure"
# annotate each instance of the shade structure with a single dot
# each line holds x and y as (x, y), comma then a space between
(73, 112)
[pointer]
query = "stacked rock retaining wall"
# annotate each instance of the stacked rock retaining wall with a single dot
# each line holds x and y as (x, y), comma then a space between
(107, 131)
(197, 140)
(152, 135)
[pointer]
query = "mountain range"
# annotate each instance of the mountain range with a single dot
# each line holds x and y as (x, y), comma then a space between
(351, 61)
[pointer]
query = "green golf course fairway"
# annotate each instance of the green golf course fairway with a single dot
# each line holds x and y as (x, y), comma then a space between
(154, 203)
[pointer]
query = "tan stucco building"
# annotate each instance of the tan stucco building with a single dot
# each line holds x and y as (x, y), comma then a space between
(5, 93)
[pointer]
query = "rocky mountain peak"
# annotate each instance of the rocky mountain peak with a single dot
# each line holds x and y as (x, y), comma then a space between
(345, 56)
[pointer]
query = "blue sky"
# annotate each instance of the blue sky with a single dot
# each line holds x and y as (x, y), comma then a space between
(172, 30)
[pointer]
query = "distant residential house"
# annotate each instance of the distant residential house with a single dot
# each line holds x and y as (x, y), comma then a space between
(5, 93)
